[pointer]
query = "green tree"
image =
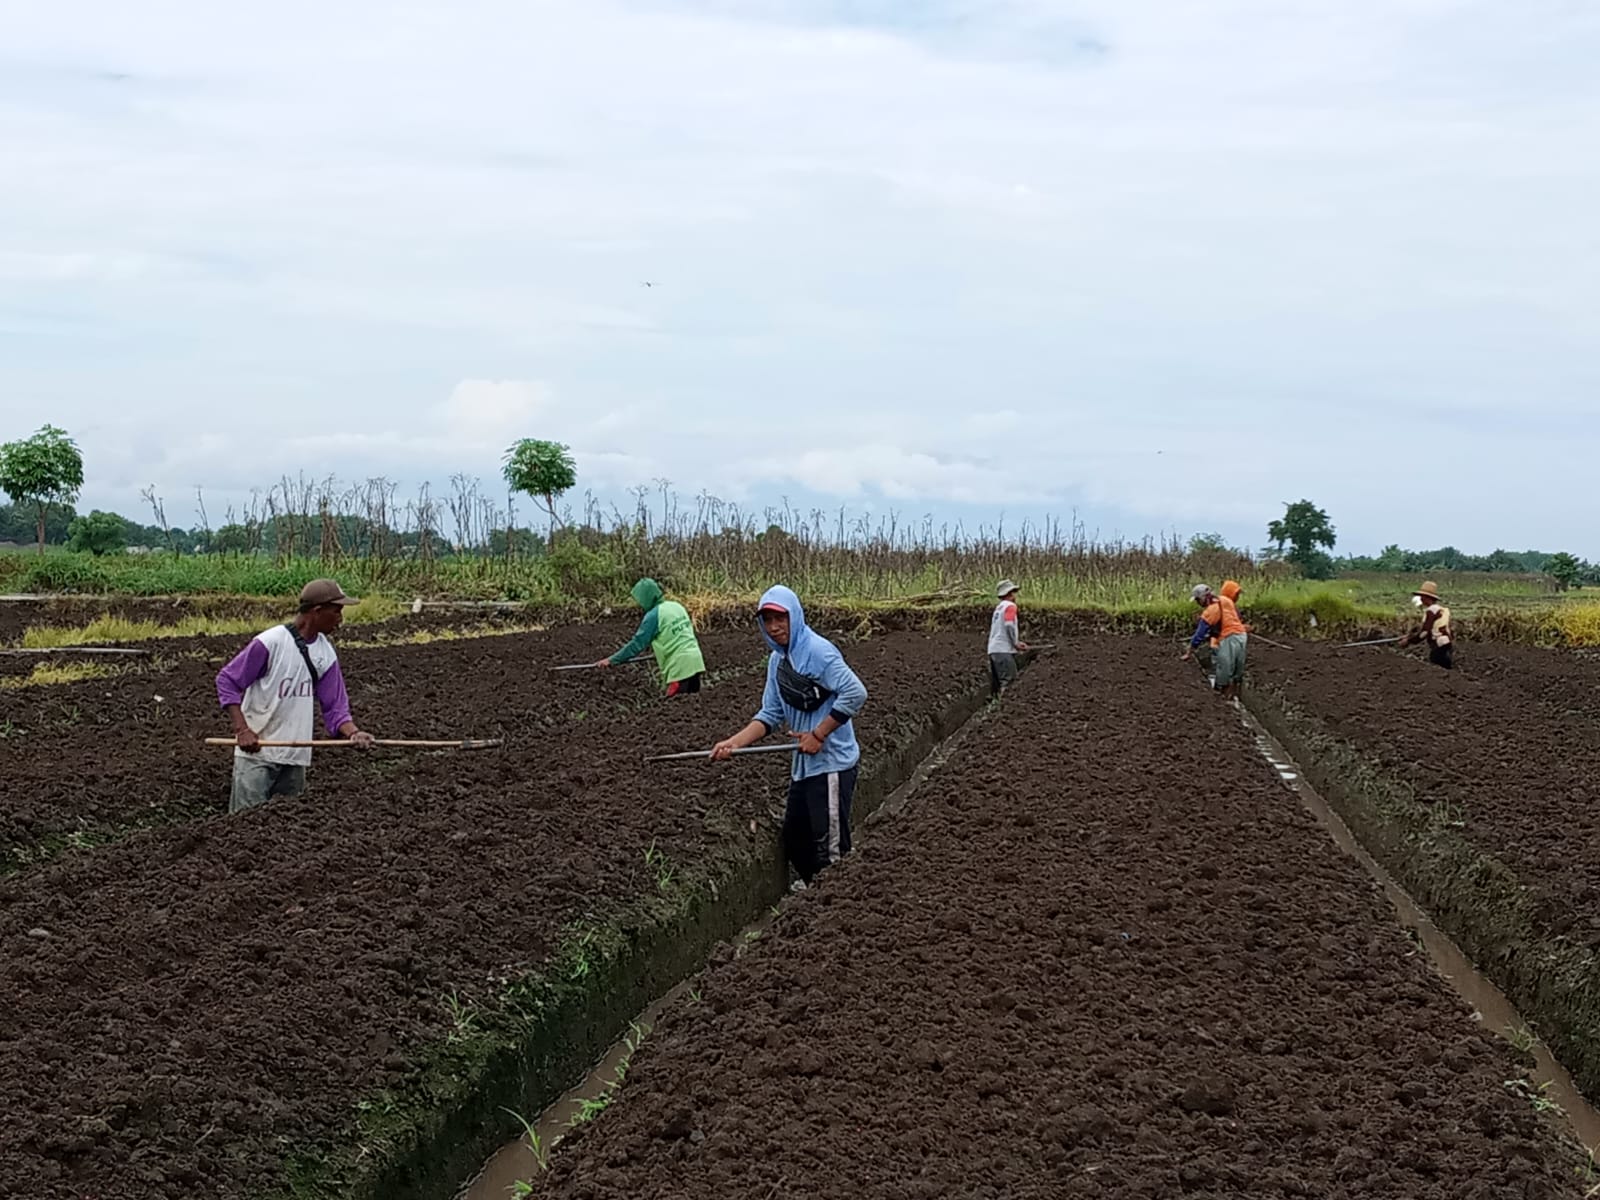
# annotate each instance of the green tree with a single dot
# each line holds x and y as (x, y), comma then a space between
(18, 524)
(543, 470)
(42, 471)
(1305, 528)
(98, 533)
(1565, 569)
(1392, 559)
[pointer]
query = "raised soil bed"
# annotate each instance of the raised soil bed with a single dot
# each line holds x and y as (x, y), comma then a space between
(1104, 953)
(1476, 789)
(332, 996)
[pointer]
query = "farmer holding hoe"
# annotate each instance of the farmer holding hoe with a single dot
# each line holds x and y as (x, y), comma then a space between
(1229, 636)
(811, 690)
(668, 631)
(1435, 630)
(267, 689)
(1004, 643)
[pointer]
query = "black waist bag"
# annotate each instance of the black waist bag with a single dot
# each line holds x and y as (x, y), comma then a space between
(800, 691)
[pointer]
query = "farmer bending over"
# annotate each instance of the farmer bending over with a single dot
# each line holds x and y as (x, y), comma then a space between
(668, 630)
(1436, 630)
(1004, 644)
(812, 690)
(267, 692)
(1219, 621)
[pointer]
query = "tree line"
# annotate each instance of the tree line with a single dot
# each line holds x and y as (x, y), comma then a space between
(43, 475)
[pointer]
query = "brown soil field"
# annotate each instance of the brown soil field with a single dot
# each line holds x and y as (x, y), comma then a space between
(1511, 739)
(134, 742)
(1104, 952)
(188, 1003)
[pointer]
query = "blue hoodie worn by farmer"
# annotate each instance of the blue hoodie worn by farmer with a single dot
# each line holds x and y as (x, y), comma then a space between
(817, 659)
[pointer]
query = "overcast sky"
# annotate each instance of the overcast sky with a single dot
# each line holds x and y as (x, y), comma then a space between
(1167, 263)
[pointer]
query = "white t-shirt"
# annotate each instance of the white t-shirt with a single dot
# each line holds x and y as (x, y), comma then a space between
(1003, 628)
(281, 705)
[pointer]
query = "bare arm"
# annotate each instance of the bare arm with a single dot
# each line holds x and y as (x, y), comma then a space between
(748, 736)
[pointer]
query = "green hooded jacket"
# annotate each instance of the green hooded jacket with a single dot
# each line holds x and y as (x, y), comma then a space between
(666, 629)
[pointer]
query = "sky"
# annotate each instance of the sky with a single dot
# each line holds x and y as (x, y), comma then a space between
(1162, 264)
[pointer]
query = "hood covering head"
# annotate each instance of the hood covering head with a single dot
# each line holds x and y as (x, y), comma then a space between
(800, 649)
(647, 593)
(1231, 590)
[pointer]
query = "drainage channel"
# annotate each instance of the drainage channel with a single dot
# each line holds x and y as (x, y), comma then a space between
(1489, 1004)
(516, 1161)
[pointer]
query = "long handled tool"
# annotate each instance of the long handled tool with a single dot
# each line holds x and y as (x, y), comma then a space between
(595, 667)
(688, 754)
(414, 743)
(1256, 637)
(1374, 642)
(75, 650)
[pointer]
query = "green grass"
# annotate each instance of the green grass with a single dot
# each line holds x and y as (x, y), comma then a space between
(111, 628)
(46, 674)
(1140, 586)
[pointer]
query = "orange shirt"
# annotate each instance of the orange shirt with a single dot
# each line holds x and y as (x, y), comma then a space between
(1223, 617)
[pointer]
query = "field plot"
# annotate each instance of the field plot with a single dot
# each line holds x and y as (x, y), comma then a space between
(192, 1006)
(1103, 953)
(86, 760)
(1477, 788)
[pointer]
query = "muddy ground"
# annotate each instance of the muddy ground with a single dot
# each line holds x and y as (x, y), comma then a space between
(1104, 953)
(186, 1005)
(1511, 739)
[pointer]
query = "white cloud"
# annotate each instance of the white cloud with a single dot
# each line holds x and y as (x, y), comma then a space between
(1172, 262)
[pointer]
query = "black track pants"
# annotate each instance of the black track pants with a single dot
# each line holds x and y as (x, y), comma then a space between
(816, 821)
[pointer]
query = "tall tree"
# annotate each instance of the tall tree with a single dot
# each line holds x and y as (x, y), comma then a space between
(41, 471)
(1305, 528)
(543, 470)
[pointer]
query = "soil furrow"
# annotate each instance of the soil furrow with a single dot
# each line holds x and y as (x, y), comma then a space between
(1104, 953)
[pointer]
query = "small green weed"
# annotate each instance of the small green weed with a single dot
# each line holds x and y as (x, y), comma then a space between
(463, 1021)
(541, 1152)
(1537, 1095)
(1521, 1038)
(655, 860)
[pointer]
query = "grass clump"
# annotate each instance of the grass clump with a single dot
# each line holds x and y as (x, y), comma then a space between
(47, 674)
(111, 628)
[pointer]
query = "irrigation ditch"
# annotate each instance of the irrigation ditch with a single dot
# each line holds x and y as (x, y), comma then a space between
(1553, 980)
(518, 1160)
(571, 1013)
(1475, 987)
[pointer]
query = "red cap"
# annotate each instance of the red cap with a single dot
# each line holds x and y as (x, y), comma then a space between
(777, 608)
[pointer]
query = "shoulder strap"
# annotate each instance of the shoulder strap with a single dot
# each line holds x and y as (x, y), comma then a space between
(305, 652)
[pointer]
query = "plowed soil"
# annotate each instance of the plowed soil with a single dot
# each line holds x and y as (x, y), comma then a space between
(134, 742)
(1512, 738)
(1103, 954)
(185, 1003)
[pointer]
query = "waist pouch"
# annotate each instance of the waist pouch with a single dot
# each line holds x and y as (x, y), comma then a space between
(800, 691)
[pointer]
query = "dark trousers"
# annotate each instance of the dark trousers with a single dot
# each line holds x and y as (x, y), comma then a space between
(1003, 671)
(816, 821)
(1443, 656)
(685, 687)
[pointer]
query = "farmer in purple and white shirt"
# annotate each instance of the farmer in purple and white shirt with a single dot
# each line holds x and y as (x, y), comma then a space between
(267, 690)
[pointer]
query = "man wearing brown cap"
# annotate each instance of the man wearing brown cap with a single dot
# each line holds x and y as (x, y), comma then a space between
(267, 693)
(1436, 630)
